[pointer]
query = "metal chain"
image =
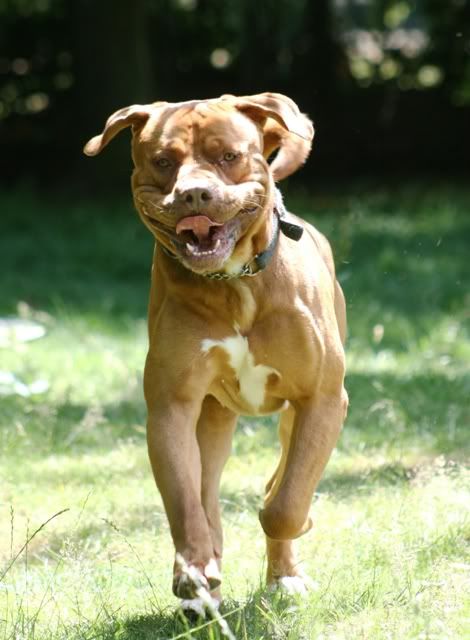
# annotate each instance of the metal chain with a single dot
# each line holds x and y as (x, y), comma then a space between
(246, 270)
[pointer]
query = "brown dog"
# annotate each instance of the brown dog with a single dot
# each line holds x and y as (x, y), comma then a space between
(223, 343)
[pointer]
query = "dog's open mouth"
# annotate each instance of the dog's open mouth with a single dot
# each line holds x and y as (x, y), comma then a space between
(203, 244)
(201, 235)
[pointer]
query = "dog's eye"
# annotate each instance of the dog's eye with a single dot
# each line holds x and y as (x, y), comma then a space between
(230, 156)
(163, 163)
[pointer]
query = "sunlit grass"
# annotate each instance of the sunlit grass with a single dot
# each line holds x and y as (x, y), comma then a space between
(389, 548)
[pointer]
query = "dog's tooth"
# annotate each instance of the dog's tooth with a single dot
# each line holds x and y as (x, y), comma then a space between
(196, 251)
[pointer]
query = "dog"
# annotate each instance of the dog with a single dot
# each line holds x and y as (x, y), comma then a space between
(245, 317)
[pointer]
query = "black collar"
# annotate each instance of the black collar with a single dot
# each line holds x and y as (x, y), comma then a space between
(259, 262)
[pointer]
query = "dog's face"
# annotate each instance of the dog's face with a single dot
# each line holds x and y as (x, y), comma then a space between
(201, 181)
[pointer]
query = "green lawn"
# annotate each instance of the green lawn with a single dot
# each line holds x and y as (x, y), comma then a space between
(389, 547)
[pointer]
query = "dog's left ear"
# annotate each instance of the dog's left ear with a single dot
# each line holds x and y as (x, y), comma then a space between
(284, 128)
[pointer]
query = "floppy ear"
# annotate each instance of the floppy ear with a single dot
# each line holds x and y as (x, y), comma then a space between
(284, 128)
(135, 115)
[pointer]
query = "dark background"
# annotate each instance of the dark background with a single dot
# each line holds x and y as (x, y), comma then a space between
(387, 82)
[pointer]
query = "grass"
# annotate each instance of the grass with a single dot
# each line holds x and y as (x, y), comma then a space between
(389, 548)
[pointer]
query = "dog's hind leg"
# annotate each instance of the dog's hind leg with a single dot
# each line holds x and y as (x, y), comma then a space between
(214, 433)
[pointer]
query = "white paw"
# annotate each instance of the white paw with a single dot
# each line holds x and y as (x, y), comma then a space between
(188, 579)
(294, 585)
(198, 605)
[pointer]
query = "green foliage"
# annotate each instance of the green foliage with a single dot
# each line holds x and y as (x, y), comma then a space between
(65, 66)
(409, 45)
(400, 42)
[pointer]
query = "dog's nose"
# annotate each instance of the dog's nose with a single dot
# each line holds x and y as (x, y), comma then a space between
(196, 198)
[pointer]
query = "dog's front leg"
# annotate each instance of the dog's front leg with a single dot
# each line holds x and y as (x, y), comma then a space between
(316, 428)
(214, 433)
(175, 459)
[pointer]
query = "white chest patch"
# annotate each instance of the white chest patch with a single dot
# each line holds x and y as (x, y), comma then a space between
(252, 377)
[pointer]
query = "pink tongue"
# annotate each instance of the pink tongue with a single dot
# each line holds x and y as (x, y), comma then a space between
(199, 225)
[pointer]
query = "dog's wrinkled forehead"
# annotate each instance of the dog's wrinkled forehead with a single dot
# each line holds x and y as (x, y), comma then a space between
(267, 122)
(195, 124)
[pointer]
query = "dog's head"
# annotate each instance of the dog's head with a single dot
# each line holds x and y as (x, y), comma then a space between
(202, 183)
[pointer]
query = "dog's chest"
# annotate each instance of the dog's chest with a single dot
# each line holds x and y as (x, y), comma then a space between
(241, 383)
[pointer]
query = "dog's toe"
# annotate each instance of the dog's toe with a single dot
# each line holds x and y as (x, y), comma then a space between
(212, 575)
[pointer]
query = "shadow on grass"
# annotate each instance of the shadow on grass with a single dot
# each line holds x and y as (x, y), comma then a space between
(85, 258)
(415, 276)
(421, 410)
(165, 626)
(263, 615)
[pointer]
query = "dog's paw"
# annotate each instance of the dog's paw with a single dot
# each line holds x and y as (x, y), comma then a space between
(293, 585)
(197, 607)
(189, 579)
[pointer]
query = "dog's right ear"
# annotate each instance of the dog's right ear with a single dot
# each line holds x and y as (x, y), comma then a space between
(136, 115)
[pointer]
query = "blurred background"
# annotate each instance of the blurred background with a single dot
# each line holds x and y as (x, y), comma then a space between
(387, 82)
